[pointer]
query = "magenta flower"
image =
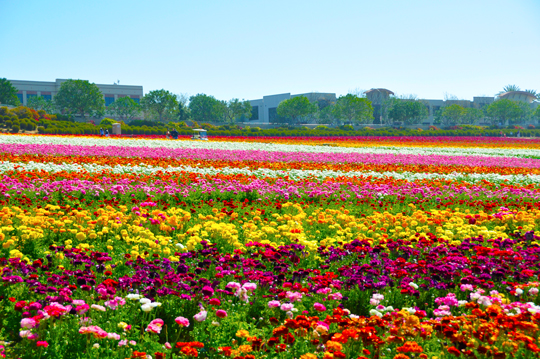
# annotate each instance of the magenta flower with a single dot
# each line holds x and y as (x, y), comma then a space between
(274, 304)
(184, 322)
(155, 326)
(220, 313)
(319, 307)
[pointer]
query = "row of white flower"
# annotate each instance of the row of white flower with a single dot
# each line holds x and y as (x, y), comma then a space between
(263, 172)
(257, 146)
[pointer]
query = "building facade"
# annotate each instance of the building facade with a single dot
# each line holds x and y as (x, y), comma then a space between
(47, 90)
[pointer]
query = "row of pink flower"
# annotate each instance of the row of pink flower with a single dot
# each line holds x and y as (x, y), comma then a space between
(281, 188)
(264, 156)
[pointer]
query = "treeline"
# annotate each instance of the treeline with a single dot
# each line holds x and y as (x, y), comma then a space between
(84, 99)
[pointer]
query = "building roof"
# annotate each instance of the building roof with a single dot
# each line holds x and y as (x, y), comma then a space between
(380, 90)
(518, 94)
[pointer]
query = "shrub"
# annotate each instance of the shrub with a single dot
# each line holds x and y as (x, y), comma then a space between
(107, 122)
(15, 129)
(41, 129)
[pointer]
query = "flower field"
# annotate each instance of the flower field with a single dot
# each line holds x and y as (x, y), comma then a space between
(401, 247)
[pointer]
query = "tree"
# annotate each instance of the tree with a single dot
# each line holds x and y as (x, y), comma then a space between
(295, 108)
(161, 103)
(353, 109)
(326, 114)
(8, 93)
(503, 110)
(237, 109)
(124, 109)
(39, 103)
(183, 112)
(408, 111)
(205, 108)
(509, 88)
(526, 112)
(452, 115)
(536, 113)
(471, 115)
(79, 97)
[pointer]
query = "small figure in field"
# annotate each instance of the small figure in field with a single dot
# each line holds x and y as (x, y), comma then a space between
(101, 132)
(168, 135)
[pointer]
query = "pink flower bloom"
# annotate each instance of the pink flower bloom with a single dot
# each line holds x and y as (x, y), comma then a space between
(201, 316)
(220, 313)
(28, 323)
(184, 322)
(94, 330)
(250, 286)
(215, 301)
(335, 296)
(287, 307)
(319, 307)
(234, 285)
(168, 345)
(274, 304)
(81, 309)
(122, 342)
(294, 296)
(155, 326)
(43, 344)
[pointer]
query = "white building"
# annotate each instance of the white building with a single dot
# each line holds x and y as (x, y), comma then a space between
(47, 90)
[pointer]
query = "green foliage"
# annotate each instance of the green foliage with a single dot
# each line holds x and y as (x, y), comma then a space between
(79, 97)
(124, 109)
(504, 110)
(237, 109)
(40, 104)
(183, 112)
(295, 108)
(452, 115)
(21, 112)
(162, 103)
(471, 115)
(107, 122)
(8, 93)
(205, 108)
(353, 109)
(15, 129)
(409, 112)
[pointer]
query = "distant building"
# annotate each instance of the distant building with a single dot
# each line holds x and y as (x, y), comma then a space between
(265, 110)
(518, 96)
(377, 98)
(47, 90)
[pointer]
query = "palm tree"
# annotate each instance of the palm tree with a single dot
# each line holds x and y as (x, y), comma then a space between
(509, 88)
(533, 92)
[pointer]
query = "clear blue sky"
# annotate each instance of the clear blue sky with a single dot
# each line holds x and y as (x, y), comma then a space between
(247, 49)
